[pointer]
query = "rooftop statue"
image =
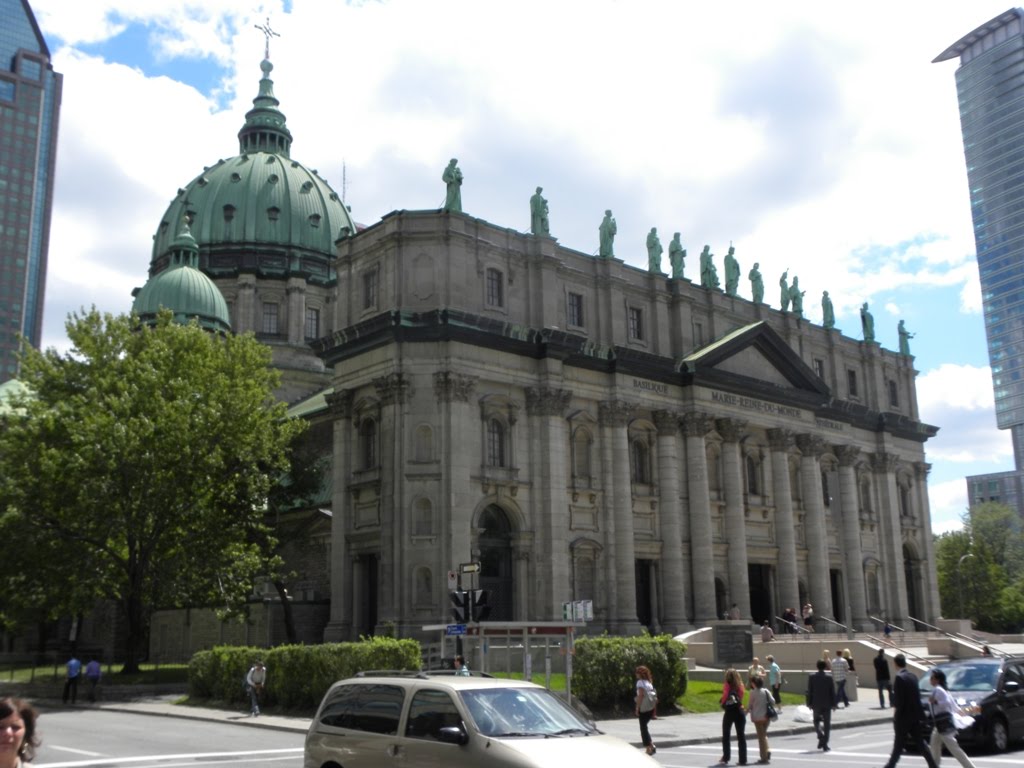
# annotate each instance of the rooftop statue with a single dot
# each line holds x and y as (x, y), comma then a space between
(784, 291)
(756, 283)
(654, 251)
(708, 272)
(732, 272)
(607, 231)
(452, 177)
(539, 214)
(676, 256)
(867, 322)
(796, 296)
(905, 337)
(828, 315)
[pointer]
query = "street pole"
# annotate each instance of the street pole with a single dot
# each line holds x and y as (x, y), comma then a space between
(960, 580)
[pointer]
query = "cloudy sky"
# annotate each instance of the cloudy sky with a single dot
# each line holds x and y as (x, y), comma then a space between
(814, 136)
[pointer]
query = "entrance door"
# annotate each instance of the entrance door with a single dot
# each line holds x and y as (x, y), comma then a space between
(642, 571)
(366, 620)
(496, 562)
(760, 577)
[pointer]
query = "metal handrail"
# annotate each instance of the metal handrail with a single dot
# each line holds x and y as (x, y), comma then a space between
(909, 654)
(978, 645)
(832, 621)
(883, 622)
(798, 629)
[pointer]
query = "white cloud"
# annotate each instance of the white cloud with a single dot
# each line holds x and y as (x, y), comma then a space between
(959, 399)
(948, 502)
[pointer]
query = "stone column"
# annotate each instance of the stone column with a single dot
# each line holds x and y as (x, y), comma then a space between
(545, 409)
(245, 308)
(735, 520)
(296, 320)
(614, 416)
(339, 627)
(781, 442)
(819, 584)
(674, 578)
(891, 534)
(392, 391)
(931, 587)
(853, 557)
(695, 427)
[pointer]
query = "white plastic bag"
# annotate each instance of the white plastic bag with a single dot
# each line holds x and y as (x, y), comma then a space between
(803, 714)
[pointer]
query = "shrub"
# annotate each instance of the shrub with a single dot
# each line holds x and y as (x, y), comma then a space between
(604, 670)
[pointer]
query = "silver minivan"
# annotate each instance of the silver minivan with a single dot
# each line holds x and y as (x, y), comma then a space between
(453, 721)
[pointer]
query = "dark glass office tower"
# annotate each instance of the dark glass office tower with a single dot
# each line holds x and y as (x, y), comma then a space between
(30, 94)
(990, 89)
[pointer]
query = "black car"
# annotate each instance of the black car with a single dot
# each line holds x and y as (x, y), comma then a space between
(991, 690)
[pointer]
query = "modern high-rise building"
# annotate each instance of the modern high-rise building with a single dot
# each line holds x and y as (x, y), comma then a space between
(30, 93)
(990, 89)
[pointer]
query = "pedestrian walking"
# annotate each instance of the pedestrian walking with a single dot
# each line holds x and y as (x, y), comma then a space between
(945, 711)
(840, 669)
(821, 698)
(74, 674)
(775, 681)
(646, 701)
(908, 715)
(755, 670)
(760, 698)
(733, 716)
(883, 678)
(255, 681)
(461, 667)
(93, 673)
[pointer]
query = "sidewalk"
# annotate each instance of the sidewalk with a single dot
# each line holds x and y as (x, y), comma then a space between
(670, 731)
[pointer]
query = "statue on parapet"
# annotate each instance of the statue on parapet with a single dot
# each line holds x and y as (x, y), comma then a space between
(867, 322)
(905, 337)
(607, 231)
(784, 291)
(654, 251)
(796, 297)
(828, 314)
(732, 272)
(676, 257)
(452, 177)
(708, 272)
(756, 283)
(539, 224)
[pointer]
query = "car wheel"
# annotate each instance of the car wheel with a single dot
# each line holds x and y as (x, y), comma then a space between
(999, 738)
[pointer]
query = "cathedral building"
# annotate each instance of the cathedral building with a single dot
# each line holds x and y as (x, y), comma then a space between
(582, 428)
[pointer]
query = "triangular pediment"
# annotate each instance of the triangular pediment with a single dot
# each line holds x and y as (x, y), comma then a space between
(755, 358)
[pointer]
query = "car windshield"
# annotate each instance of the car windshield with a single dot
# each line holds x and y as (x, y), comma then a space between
(519, 712)
(966, 677)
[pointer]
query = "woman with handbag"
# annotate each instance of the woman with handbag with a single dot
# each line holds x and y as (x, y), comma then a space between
(944, 713)
(762, 707)
(733, 716)
(646, 701)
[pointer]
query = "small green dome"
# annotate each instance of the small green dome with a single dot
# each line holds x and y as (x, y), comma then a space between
(260, 197)
(184, 290)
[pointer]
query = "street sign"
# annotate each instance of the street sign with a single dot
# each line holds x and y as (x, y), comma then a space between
(469, 567)
(453, 580)
(455, 629)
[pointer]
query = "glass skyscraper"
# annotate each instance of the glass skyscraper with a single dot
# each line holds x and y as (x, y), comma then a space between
(30, 93)
(990, 89)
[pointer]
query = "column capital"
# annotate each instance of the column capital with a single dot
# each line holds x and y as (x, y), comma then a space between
(450, 387)
(884, 462)
(393, 388)
(696, 424)
(544, 401)
(730, 429)
(295, 287)
(921, 469)
(781, 439)
(614, 413)
(339, 403)
(811, 445)
(847, 454)
(666, 422)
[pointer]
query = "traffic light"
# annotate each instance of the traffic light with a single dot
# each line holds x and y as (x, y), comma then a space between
(479, 607)
(461, 601)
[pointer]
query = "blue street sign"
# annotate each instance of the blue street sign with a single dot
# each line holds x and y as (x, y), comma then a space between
(455, 629)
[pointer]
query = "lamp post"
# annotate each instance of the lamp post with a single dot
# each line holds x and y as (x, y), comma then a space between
(960, 580)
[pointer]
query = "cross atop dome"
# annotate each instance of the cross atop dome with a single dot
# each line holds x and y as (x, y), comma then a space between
(267, 33)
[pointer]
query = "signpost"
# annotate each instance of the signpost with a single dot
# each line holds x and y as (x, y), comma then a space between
(455, 629)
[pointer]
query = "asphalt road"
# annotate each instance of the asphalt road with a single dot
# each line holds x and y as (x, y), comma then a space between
(864, 747)
(84, 738)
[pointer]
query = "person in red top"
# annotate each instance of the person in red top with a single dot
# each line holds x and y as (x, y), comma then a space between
(733, 715)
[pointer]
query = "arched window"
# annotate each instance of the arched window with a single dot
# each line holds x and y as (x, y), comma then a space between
(825, 494)
(904, 501)
(424, 586)
(753, 477)
(640, 457)
(368, 443)
(423, 518)
(495, 443)
(424, 450)
(581, 454)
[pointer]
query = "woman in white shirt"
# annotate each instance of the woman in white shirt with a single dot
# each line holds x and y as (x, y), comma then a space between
(646, 701)
(944, 708)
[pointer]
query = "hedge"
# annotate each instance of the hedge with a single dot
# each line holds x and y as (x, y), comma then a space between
(604, 670)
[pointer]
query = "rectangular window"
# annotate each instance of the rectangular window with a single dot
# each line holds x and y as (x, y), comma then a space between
(495, 288)
(370, 289)
(6, 90)
(312, 323)
(576, 310)
(851, 382)
(270, 318)
(894, 394)
(636, 323)
(698, 335)
(819, 368)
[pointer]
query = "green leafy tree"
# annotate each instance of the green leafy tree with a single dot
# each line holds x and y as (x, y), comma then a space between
(138, 470)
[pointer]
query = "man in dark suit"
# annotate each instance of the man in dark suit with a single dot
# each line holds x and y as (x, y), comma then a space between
(908, 715)
(821, 698)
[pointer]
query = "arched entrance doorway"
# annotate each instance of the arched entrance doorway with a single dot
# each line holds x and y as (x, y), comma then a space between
(495, 545)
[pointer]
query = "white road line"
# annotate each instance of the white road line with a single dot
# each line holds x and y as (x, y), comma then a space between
(186, 756)
(75, 751)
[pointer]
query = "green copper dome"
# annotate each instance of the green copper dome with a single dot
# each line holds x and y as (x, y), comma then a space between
(184, 290)
(259, 201)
